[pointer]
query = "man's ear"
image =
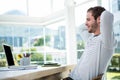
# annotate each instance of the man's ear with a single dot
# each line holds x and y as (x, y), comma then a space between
(98, 20)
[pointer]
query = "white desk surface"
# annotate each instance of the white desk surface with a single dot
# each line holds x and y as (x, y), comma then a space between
(33, 73)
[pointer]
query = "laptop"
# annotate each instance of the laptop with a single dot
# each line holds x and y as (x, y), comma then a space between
(11, 62)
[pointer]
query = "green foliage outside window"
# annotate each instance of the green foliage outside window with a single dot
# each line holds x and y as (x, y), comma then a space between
(80, 45)
(40, 41)
(37, 56)
(2, 62)
(49, 57)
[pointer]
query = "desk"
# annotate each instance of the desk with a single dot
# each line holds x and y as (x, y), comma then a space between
(42, 73)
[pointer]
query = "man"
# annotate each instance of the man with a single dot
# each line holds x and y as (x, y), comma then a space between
(99, 46)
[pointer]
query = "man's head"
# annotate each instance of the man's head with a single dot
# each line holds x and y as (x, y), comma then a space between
(93, 19)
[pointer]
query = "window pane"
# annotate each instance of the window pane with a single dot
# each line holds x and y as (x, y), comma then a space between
(56, 57)
(117, 35)
(79, 54)
(119, 5)
(13, 7)
(56, 32)
(55, 43)
(80, 12)
(35, 8)
(39, 8)
(81, 1)
(115, 5)
(58, 5)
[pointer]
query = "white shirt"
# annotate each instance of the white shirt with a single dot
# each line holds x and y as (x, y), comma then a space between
(98, 50)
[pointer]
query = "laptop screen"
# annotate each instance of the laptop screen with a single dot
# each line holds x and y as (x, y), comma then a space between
(8, 53)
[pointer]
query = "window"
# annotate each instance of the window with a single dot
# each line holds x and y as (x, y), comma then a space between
(119, 5)
(22, 28)
(58, 5)
(115, 5)
(13, 7)
(80, 16)
(44, 43)
(39, 8)
(34, 8)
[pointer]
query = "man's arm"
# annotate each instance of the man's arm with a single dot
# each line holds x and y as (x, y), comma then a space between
(84, 32)
(106, 28)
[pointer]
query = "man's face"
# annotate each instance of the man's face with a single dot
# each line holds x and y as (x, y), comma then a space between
(91, 23)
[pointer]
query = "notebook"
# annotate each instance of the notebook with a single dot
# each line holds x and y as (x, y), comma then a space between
(10, 59)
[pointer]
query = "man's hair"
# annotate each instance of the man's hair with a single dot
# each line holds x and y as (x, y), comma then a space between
(96, 11)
